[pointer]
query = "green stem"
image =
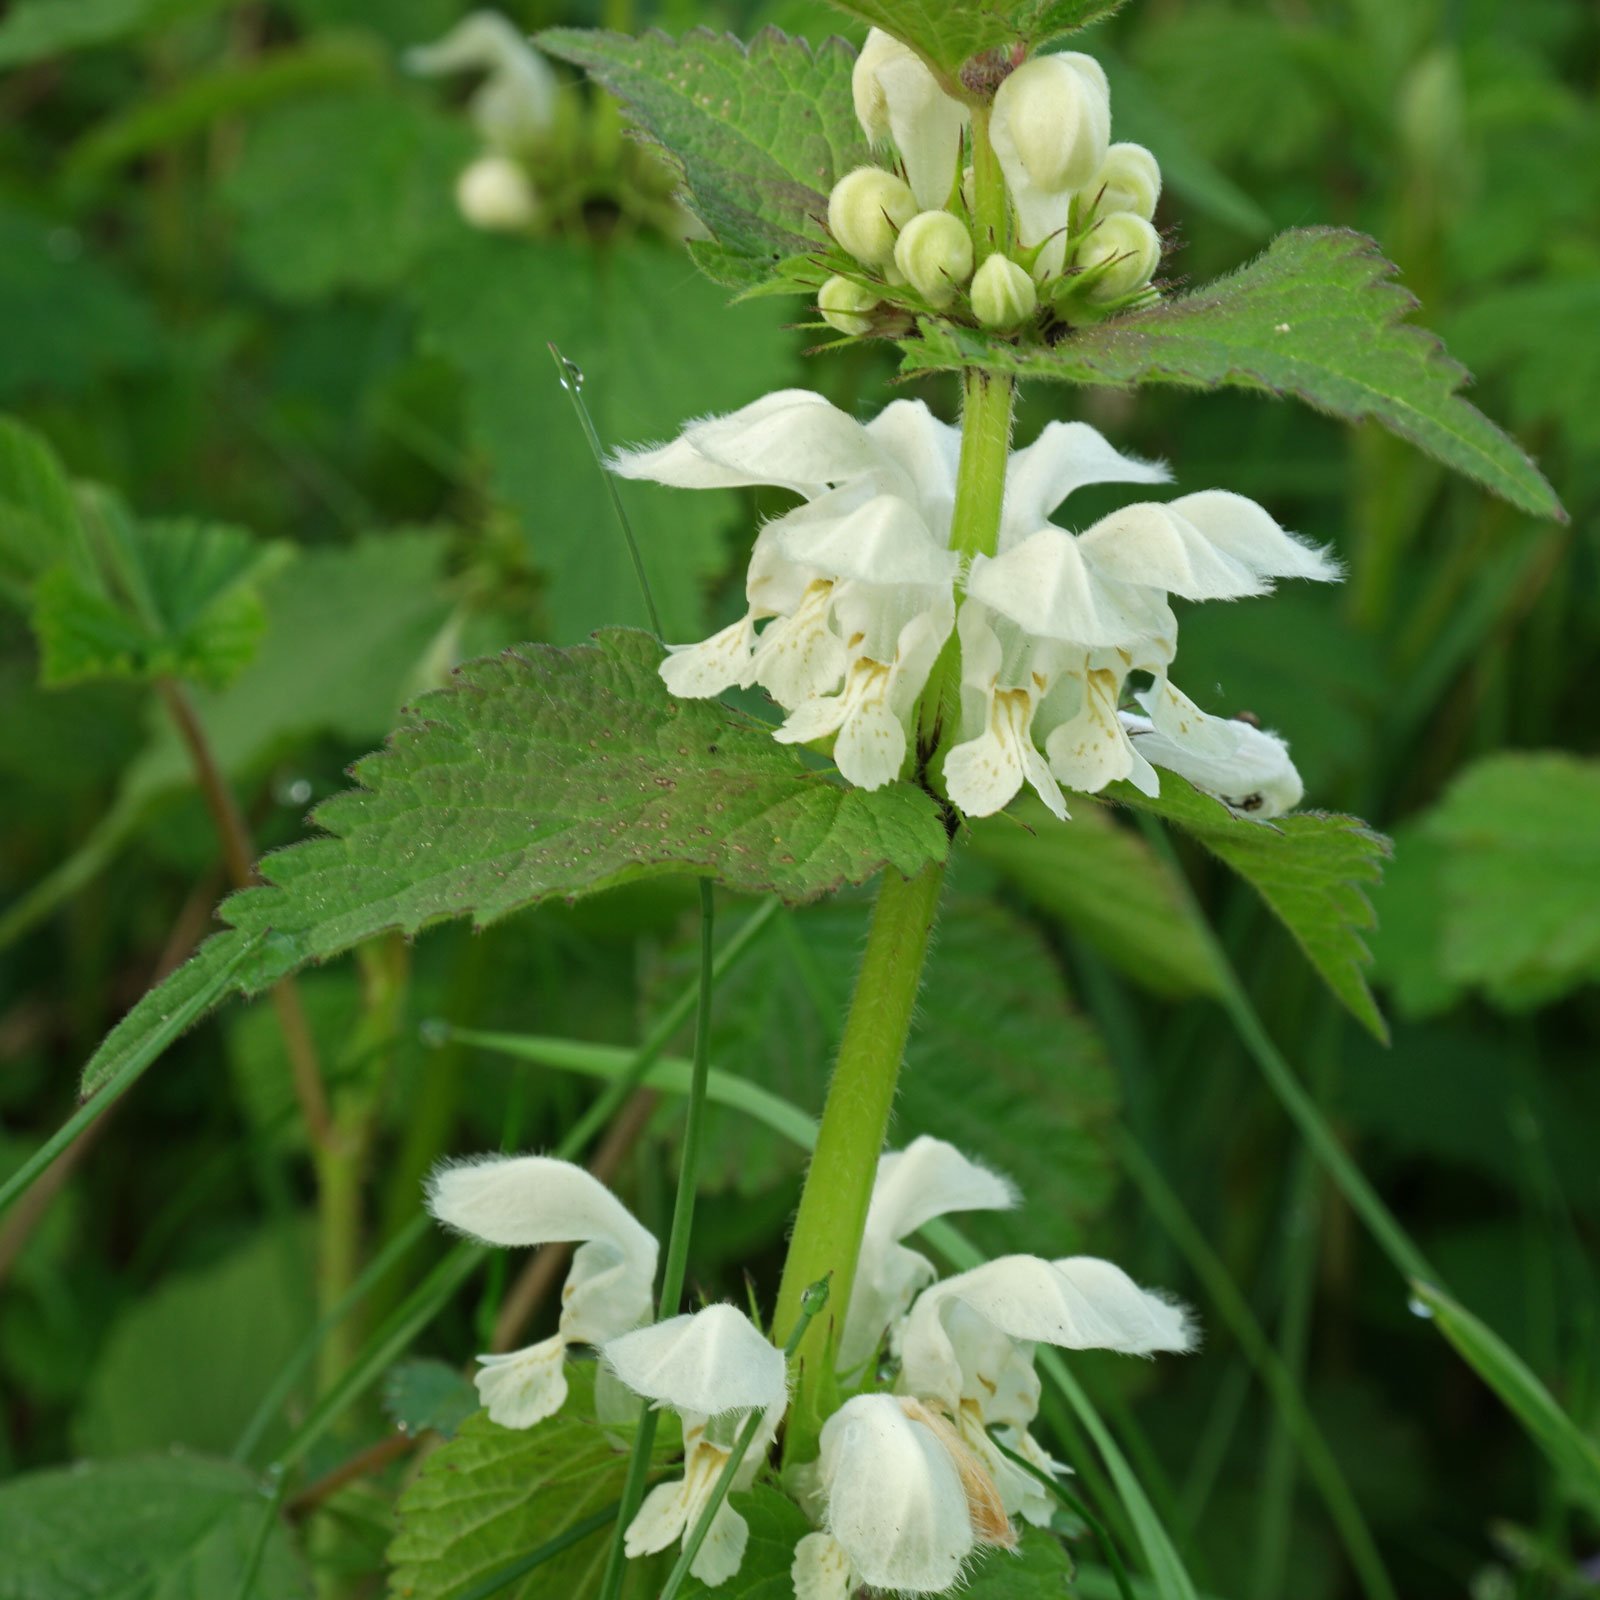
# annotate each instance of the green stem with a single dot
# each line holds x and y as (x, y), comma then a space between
(855, 1120)
(990, 210)
(676, 1270)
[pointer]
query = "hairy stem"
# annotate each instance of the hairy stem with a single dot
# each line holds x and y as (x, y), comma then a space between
(833, 1206)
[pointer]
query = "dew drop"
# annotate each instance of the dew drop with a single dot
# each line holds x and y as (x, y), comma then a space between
(1418, 1307)
(434, 1033)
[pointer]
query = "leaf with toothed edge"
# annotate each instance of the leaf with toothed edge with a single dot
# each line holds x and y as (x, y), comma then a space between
(948, 36)
(1320, 317)
(549, 773)
(760, 132)
(1311, 867)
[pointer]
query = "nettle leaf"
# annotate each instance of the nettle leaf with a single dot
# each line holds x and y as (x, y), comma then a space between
(166, 1528)
(1038, 1569)
(557, 772)
(1312, 868)
(761, 132)
(492, 1494)
(1105, 884)
(1320, 317)
(190, 607)
(948, 36)
(424, 1396)
(39, 523)
(1517, 859)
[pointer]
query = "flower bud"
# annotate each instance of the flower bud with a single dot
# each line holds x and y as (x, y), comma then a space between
(1126, 250)
(867, 210)
(1003, 295)
(1052, 118)
(495, 193)
(934, 251)
(1051, 128)
(844, 305)
(1128, 180)
(896, 96)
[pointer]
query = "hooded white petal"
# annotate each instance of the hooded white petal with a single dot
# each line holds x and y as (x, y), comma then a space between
(711, 1361)
(1241, 529)
(894, 1496)
(928, 454)
(1247, 768)
(794, 439)
(1066, 456)
(1045, 585)
(529, 1200)
(1079, 1303)
(1156, 546)
(524, 1386)
(927, 1179)
(897, 96)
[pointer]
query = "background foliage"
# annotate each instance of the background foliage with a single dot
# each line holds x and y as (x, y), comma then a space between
(257, 367)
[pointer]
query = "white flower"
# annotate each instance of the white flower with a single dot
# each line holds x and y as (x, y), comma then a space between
(927, 1179)
(1055, 622)
(1128, 180)
(516, 104)
(904, 1503)
(714, 1368)
(532, 1200)
(898, 97)
(967, 1346)
(856, 587)
(1245, 767)
(1051, 129)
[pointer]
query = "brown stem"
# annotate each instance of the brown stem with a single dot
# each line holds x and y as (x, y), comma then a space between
(373, 1459)
(539, 1276)
(238, 856)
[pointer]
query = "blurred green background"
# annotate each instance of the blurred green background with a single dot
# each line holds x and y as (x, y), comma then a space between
(235, 290)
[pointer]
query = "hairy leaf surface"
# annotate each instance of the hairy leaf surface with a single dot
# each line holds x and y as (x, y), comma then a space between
(1318, 317)
(761, 132)
(947, 36)
(557, 772)
(1312, 868)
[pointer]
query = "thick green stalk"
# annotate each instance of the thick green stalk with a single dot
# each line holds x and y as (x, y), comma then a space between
(855, 1120)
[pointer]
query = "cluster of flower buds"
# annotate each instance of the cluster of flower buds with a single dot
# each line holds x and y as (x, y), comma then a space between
(912, 1480)
(1080, 233)
(852, 596)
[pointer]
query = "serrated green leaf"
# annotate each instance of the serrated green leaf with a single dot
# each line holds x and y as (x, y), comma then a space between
(948, 36)
(70, 320)
(1516, 846)
(1318, 317)
(39, 524)
(761, 132)
(648, 333)
(197, 614)
(493, 1494)
(1038, 1569)
(1312, 868)
(1102, 883)
(166, 1528)
(345, 192)
(1569, 1449)
(422, 1396)
(558, 772)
